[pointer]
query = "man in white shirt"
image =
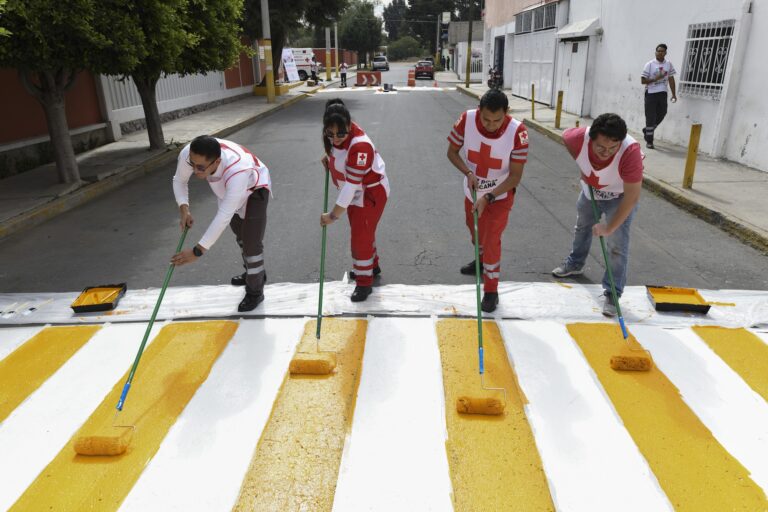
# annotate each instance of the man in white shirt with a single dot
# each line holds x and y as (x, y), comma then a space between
(656, 75)
(242, 185)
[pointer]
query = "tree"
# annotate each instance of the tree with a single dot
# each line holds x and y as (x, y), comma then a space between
(422, 16)
(50, 43)
(394, 19)
(360, 29)
(3, 31)
(403, 48)
(287, 16)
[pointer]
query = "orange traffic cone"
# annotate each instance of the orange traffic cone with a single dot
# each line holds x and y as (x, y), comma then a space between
(435, 84)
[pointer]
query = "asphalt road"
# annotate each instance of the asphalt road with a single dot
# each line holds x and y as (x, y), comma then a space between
(129, 235)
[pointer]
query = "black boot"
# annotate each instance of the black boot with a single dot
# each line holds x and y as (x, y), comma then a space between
(250, 301)
(376, 272)
(361, 293)
(240, 280)
(469, 268)
(490, 300)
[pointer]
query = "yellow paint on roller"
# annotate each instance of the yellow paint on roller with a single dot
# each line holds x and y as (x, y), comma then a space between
(296, 463)
(27, 367)
(746, 353)
(171, 370)
(493, 460)
(693, 469)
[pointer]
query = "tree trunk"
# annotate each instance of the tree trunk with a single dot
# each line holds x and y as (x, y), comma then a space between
(148, 94)
(50, 93)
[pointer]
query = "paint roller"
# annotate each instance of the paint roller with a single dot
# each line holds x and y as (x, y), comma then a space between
(491, 406)
(321, 362)
(115, 440)
(628, 358)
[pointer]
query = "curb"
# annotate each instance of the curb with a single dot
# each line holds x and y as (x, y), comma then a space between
(89, 191)
(725, 222)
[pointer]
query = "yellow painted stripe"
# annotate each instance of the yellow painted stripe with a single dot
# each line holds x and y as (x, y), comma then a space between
(296, 463)
(693, 469)
(743, 351)
(27, 367)
(171, 370)
(493, 460)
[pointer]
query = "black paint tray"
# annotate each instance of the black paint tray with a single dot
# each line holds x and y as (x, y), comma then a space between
(99, 298)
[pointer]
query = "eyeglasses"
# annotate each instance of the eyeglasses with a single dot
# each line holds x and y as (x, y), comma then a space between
(337, 135)
(198, 167)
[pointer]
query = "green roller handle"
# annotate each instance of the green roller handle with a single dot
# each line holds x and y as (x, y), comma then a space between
(322, 261)
(168, 274)
(481, 361)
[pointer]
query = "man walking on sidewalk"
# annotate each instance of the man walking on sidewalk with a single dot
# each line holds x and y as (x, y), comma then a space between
(611, 162)
(490, 148)
(343, 69)
(656, 74)
(242, 184)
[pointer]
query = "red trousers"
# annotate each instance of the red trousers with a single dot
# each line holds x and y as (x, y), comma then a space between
(491, 224)
(363, 221)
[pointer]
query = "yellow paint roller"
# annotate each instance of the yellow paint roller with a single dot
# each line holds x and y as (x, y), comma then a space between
(321, 362)
(115, 440)
(480, 404)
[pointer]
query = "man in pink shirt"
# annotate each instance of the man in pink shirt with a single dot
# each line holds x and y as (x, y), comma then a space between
(611, 163)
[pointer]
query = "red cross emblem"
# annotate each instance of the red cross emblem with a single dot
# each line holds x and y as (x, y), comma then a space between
(483, 161)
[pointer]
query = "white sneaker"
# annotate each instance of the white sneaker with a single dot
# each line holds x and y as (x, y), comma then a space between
(609, 308)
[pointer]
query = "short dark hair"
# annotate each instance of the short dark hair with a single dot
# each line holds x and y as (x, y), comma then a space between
(609, 125)
(494, 100)
(206, 146)
(661, 45)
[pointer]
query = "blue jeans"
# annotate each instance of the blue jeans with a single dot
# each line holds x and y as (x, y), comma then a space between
(618, 242)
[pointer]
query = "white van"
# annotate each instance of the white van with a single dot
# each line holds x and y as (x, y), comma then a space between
(303, 59)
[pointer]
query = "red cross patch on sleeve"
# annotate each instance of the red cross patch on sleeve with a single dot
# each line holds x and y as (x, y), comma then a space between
(523, 137)
(362, 159)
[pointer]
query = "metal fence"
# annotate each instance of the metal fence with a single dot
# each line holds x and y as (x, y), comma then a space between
(707, 48)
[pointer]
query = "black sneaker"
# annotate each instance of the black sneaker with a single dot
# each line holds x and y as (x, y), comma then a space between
(361, 293)
(650, 145)
(376, 272)
(240, 280)
(469, 268)
(490, 301)
(250, 302)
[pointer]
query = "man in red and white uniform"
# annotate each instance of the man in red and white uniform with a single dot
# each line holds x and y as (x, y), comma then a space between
(242, 185)
(611, 163)
(359, 172)
(490, 148)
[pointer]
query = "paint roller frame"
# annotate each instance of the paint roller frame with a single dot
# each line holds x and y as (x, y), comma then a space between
(108, 444)
(628, 359)
(488, 406)
(321, 362)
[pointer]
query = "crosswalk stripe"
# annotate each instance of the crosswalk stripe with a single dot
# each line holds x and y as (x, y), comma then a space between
(692, 467)
(296, 463)
(203, 458)
(12, 337)
(494, 462)
(31, 364)
(171, 370)
(395, 458)
(577, 430)
(743, 351)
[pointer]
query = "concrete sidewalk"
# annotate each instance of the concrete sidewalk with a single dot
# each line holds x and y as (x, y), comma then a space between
(728, 195)
(29, 198)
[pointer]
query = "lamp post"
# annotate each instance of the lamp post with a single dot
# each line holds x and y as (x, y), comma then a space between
(469, 48)
(268, 50)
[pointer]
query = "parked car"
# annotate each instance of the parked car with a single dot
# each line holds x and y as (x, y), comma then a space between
(425, 69)
(380, 63)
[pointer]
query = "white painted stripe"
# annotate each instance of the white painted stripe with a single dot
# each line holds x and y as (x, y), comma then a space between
(202, 460)
(734, 412)
(395, 457)
(12, 338)
(37, 430)
(590, 460)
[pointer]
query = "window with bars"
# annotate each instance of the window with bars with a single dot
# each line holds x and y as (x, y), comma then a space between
(541, 18)
(707, 47)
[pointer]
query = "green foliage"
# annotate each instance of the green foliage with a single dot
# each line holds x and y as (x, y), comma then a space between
(395, 20)
(359, 28)
(3, 31)
(403, 48)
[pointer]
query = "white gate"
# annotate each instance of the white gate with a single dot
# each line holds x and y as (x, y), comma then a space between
(572, 70)
(533, 62)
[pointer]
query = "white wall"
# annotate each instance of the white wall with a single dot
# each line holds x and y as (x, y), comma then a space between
(631, 32)
(477, 74)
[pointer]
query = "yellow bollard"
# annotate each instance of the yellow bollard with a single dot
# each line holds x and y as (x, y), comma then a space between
(690, 161)
(577, 123)
(533, 112)
(559, 109)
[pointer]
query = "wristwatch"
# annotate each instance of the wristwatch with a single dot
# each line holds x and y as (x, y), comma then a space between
(490, 197)
(196, 251)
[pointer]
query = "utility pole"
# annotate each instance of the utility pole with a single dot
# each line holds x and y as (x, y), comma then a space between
(268, 50)
(327, 54)
(336, 45)
(437, 42)
(469, 47)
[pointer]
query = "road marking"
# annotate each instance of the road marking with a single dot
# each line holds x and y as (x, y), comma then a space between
(741, 350)
(32, 363)
(493, 461)
(296, 463)
(692, 467)
(171, 370)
